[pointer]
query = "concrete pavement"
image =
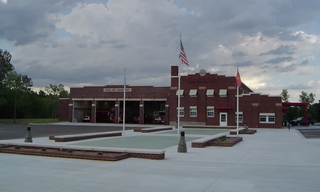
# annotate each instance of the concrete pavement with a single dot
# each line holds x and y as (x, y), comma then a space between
(270, 160)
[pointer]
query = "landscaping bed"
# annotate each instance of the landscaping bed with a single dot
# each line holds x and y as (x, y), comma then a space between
(225, 141)
(244, 131)
(64, 153)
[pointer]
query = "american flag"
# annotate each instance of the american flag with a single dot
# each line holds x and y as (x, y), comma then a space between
(182, 55)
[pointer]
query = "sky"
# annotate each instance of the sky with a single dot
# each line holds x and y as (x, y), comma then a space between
(274, 43)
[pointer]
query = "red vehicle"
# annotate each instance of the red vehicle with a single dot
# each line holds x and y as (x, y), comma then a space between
(159, 116)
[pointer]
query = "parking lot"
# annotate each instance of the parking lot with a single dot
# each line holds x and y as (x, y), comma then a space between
(269, 160)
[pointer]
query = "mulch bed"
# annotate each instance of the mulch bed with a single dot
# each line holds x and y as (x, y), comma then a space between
(64, 153)
(245, 131)
(225, 141)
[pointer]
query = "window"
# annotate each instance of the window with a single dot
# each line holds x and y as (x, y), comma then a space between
(181, 111)
(210, 111)
(210, 92)
(223, 92)
(179, 92)
(193, 111)
(240, 117)
(267, 118)
(193, 92)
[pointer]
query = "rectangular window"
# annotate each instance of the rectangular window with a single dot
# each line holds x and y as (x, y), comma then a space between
(181, 111)
(240, 117)
(267, 118)
(210, 111)
(193, 92)
(179, 92)
(223, 92)
(210, 92)
(193, 111)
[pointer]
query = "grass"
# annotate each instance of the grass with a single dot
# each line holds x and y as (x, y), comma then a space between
(27, 121)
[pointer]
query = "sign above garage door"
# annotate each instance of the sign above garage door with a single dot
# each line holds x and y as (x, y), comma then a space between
(116, 89)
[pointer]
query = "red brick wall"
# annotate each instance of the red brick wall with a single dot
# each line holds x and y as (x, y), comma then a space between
(250, 104)
(63, 110)
(265, 104)
(254, 104)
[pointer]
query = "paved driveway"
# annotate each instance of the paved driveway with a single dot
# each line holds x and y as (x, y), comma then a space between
(18, 131)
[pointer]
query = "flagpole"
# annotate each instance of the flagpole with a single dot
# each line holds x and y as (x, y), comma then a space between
(124, 102)
(238, 111)
(178, 115)
(183, 59)
(238, 84)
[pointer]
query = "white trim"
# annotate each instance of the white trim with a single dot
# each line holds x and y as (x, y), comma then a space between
(267, 116)
(154, 99)
(193, 109)
(210, 108)
(210, 92)
(105, 99)
(82, 99)
(193, 92)
(223, 92)
(240, 115)
(180, 92)
(129, 99)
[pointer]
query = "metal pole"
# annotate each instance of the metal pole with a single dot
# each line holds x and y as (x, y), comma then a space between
(237, 111)
(124, 102)
(178, 115)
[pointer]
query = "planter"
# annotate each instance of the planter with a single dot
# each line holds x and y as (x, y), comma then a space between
(56, 152)
(225, 141)
(245, 131)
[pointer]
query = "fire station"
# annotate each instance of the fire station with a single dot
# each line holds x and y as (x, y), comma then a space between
(205, 99)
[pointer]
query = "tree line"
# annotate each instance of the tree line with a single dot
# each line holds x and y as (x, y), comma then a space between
(18, 100)
(296, 111)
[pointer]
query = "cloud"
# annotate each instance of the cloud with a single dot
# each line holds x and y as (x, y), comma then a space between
(77, 42)
(279, 60)
(239, 54)
(27, 21)
(282, 49)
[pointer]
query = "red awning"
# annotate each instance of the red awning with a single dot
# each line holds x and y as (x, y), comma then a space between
(223, 107)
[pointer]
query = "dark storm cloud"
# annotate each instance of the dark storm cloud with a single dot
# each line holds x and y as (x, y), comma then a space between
(28, 21)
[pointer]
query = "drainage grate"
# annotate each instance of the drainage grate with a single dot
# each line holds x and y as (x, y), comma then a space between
(310, 133)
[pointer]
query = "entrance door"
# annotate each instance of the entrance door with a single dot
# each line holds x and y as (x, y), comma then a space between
(223, 119)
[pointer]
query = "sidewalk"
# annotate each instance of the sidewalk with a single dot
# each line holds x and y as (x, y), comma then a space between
(270, 160)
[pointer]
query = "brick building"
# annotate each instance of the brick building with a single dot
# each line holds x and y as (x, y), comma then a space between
(205, 99)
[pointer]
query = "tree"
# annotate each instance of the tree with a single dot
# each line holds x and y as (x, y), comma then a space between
(5, 65)
(305, 97)
(56, 91)
(19, 84)
(285, 95)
